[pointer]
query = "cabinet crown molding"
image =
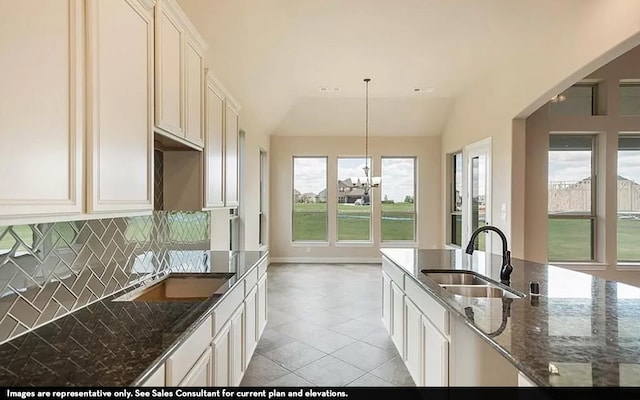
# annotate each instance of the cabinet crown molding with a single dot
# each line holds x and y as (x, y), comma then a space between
(175, 9)
(221, 89)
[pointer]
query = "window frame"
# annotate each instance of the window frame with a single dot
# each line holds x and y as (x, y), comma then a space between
(370, 240)
(592, 214)
(262, 207)
(594, 100)
(414, 212)
(451, 196)
(632, 135)
(626, 83)
(292, 195)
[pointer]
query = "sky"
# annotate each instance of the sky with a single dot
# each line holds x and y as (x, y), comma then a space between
(397, 175)
(573, 166)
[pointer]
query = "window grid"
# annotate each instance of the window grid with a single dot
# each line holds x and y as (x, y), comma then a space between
(398, 213)
(309, 214)
(577, 224)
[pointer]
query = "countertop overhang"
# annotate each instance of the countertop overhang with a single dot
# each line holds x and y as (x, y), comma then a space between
(584, 327)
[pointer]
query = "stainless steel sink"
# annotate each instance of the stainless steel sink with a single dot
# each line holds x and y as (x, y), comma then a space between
(456, 278)
(179, 288)
(470, 284)
(478, 291)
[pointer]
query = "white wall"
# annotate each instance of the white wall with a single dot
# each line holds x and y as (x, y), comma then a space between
(426, 151)
(599, 31)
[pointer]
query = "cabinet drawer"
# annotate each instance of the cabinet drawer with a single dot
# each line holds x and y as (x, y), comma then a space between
(185, 357)
(262, 267)
(395, 273)
(431, 309)
(250, 281)
(223, 311)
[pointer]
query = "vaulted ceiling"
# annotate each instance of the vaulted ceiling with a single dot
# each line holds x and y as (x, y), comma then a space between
(276, 55)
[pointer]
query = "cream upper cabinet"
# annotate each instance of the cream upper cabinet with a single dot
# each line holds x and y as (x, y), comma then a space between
(214, 145)
(120, 105)
(179, 83)
(231, 153)
(194, 97)
(41, 107)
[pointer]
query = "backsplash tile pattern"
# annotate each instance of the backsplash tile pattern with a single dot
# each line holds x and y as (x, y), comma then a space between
(49, 270)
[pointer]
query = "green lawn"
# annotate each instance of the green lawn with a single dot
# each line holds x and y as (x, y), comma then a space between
(310, 222)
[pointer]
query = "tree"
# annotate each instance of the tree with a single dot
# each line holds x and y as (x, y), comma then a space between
(386, 198)
(408, 199)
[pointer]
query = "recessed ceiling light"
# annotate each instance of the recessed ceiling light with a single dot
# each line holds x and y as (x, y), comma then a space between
(423, 90)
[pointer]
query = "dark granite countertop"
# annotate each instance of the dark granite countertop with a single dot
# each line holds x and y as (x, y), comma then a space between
(114, 343)
(586, 327)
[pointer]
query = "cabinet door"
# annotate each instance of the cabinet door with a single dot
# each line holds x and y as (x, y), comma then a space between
(221, 353)
(262, 305)
(237, 346)
(250, 324)
(169, 83)
(386, 301)
(200, 374)
(194, 76)
(120, 94)
(214, 146)
(231, 156)
(435, 364)
(41, 107)
(413, 337)
(397, 318)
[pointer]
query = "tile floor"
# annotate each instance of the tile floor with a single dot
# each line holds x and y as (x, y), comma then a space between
(325, 329)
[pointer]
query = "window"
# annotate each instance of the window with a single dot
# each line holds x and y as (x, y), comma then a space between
(354, 206)
(455, 201)
(309, 199)
(571, 223)
(398, 199)
(262, 217)
(628, 198)
(579, 99)
(629, 98)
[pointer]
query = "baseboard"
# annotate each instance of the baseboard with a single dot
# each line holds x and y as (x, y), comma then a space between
(326, 260)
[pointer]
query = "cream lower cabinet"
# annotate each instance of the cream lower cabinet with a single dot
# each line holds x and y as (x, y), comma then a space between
(397, 318)
(250, 324)
(187, 364)
(262, 304)
(200, 373)
(414, 343)
(120, 99)
(418, 327)
(434, 369)
(386, 301)
(221, 348)
(237, 346)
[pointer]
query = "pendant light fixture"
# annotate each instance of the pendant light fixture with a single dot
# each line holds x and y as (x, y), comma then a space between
(368, 182)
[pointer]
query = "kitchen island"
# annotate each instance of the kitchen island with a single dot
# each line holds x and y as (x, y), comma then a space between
(580, 331)
(179, 342)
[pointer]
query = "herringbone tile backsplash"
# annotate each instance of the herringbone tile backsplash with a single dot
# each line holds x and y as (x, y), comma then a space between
(49, 270)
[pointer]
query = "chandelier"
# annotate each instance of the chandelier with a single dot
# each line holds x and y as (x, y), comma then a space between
(367, 182)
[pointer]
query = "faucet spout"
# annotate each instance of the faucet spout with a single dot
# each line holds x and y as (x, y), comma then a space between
(506, 268)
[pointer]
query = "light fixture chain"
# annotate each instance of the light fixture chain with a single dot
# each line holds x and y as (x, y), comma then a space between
(366, 146)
